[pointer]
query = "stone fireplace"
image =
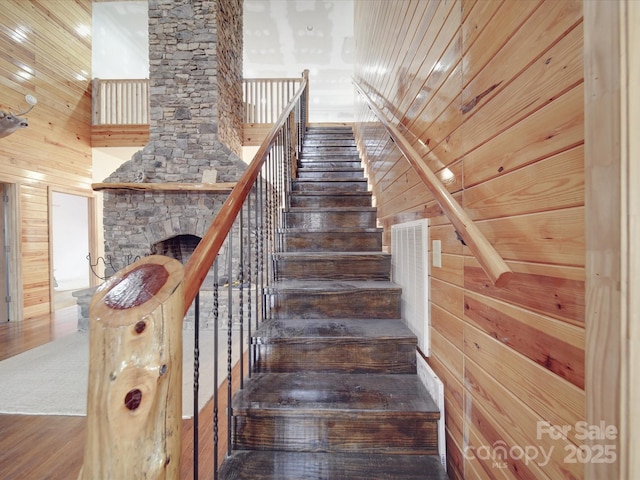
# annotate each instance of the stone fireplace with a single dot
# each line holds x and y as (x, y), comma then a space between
(195, 52)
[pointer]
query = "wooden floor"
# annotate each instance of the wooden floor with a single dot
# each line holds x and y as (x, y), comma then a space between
(51, 447)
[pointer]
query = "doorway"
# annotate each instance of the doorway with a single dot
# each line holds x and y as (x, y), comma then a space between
(70, 247)
(5, 274)
(10, 253)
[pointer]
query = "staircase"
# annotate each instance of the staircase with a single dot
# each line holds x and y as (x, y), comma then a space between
(334, 392)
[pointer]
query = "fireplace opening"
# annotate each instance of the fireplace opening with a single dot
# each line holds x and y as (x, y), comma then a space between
(180, 247)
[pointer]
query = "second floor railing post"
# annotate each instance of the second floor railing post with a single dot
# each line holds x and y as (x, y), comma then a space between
(305, 101)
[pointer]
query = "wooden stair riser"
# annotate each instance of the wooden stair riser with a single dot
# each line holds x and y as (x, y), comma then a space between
(339, 267)
(334, 135)
(328, 150)
(330, 173)
(329, 141)
(328, 164)
(330, 218)
(341, 133)
(348, 304)
(332, 130)
(326, 157)
(331, 241)
(324, 200)
(268, 465)
(397, 433)
(347, 356)
(312, 185)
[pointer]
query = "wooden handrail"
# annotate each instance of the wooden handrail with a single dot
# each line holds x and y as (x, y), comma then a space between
(492, 263)
(205, 253)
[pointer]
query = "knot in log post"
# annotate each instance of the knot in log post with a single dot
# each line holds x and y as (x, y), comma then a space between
(134, 400)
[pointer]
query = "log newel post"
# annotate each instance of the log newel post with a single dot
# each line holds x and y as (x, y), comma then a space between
(134, 398)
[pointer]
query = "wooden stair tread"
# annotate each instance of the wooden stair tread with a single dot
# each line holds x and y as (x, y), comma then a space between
(330, 209)
(337, 265)
(321, 329)
(302, 394)
(268, 465)
(331, 169)
(329, 192)
(332, 230)
(322, 162)
(330, 286)
(327, 157)
(343, 345)
(326, 180)
(332, 255)
(326, 142)
(330, 129)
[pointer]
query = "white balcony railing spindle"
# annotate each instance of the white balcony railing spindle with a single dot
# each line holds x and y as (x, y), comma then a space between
(126, 102)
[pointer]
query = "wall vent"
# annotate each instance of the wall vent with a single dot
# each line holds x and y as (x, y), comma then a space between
(410, 270)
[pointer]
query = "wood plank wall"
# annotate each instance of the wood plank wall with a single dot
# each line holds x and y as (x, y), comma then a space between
(44, 53)
(491, 93)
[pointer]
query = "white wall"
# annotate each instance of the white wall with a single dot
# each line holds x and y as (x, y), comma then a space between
(120, 43)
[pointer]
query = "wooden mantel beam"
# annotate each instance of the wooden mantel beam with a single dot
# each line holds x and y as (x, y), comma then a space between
(222, 187)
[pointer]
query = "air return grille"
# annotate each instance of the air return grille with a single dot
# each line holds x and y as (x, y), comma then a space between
(410, 270)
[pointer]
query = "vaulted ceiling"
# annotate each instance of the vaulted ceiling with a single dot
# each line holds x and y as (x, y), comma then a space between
(281, 39)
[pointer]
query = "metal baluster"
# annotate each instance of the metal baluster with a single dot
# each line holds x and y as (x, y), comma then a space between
(272, 212)
(250, 306)
(229, 337)
(240, 294)
(268, 199)
(282, 191)
(261, 208)
(288, 167)
(215, 368)
(278, 209)
(196, 382)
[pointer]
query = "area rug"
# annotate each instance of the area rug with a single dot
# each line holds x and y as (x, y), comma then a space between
(52, 379)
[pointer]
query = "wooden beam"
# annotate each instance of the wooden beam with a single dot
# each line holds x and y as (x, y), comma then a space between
(119, 135)
(255, 133)
(612, 151)
(631, 361)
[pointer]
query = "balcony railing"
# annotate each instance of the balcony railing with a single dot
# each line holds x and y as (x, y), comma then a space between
(126, 102)
(120, 102)
(265, 98)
